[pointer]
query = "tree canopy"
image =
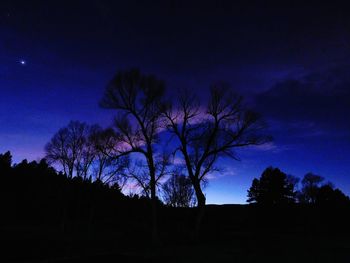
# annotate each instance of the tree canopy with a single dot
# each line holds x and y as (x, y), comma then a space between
(274, 187)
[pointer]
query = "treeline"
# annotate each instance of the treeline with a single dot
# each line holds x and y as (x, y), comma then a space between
(275, 187)
(87, 152)
(65, 216)
(33, 193)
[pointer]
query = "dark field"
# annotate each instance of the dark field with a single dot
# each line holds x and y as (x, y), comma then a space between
(46, 217)
(231, 233)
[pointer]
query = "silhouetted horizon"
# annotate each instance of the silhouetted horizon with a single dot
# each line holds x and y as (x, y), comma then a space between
(44, 213)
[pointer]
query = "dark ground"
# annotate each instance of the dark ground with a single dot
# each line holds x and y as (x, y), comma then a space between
(229, 233)
(46, 217)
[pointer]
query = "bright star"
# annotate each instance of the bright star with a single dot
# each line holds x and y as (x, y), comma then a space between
(23, 62)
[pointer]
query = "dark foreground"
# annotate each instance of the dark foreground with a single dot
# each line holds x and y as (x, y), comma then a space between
(229, 233)
(46, 217)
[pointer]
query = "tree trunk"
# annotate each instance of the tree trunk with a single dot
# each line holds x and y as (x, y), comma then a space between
(200, 207)
(152, 173)
(154, 211)
(70, 171)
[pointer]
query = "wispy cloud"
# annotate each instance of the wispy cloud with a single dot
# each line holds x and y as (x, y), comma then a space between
(225, 171)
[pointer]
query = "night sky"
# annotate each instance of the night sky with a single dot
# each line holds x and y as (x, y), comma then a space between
(291, 62)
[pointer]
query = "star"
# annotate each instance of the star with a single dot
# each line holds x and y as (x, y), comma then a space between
(22, 62)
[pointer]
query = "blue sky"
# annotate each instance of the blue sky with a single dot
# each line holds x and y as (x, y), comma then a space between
(291, 63)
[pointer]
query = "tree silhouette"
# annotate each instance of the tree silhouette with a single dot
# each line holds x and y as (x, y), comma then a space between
(86, 151)
(138, 101)
(315, 193)
(67, 147)
(5, 161)
(178, 191)
(206, 133)
(105, 168)
(327, 195)
(310, 185)
(273, 188)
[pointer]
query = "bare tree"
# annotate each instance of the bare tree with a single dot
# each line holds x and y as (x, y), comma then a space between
(139, 173)
(105, 168)
(138, 101)
(310, 187)
(207, 133)
(67, 148)
(87, 153)
(178, 191)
